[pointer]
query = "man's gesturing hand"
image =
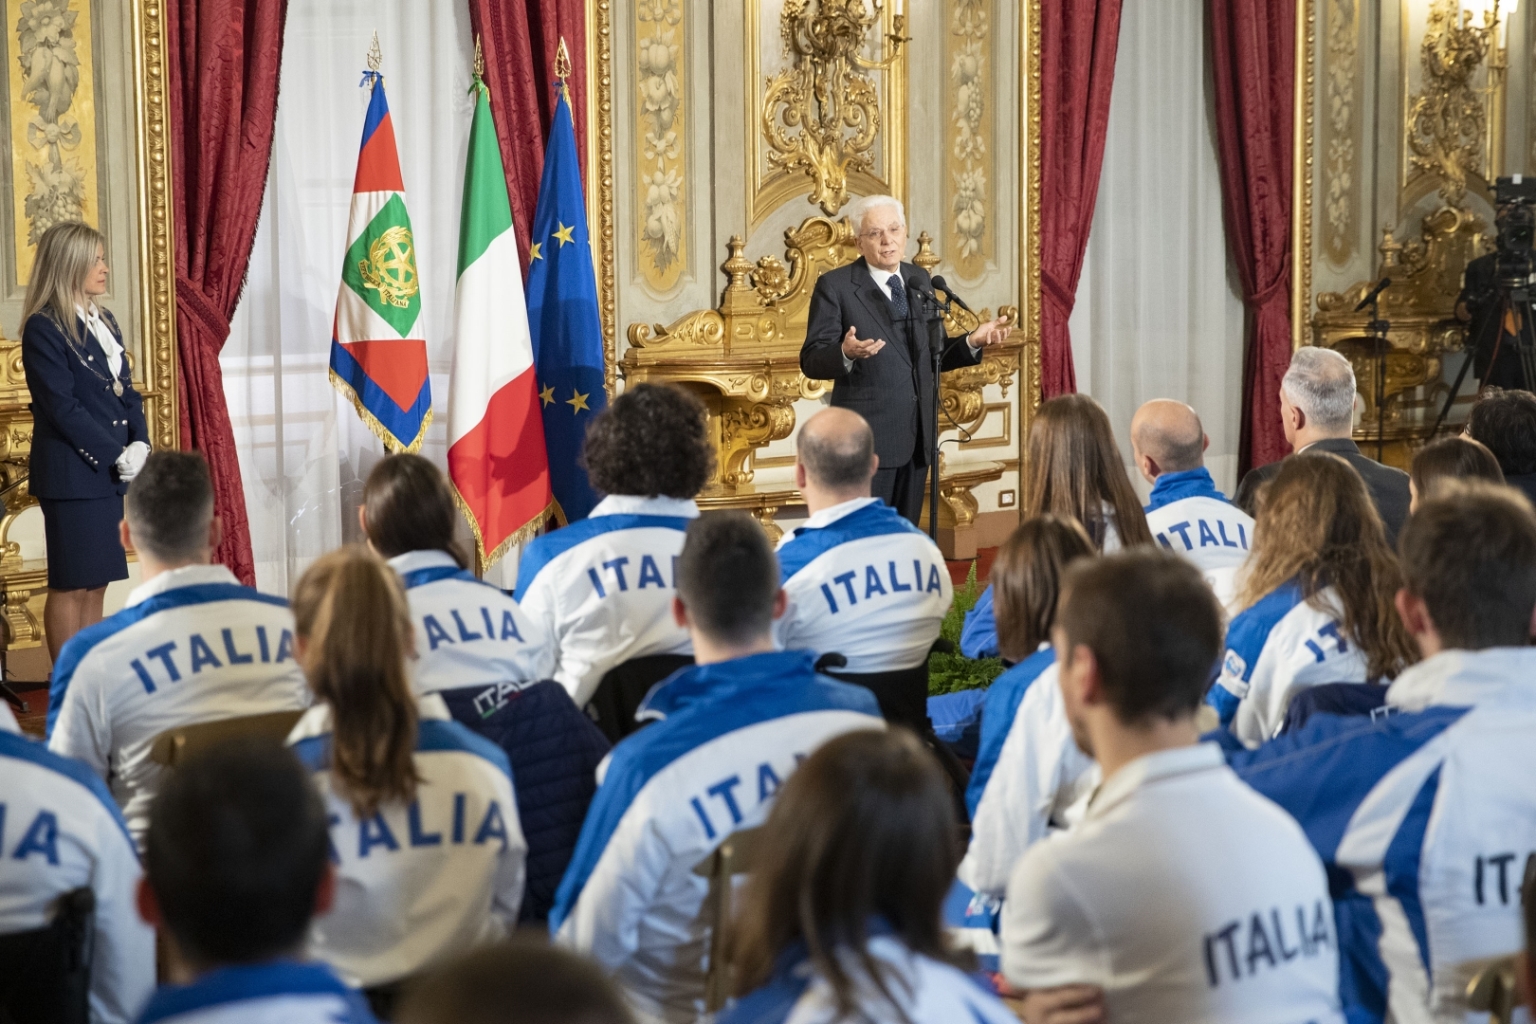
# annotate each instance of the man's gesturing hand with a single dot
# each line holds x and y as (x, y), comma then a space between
(993, 332)
(856, 348)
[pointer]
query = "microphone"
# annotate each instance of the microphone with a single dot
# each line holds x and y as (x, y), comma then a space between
(1371, 296)
(939, 282)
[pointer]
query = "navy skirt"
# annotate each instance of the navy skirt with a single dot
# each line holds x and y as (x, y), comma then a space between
(84, 550)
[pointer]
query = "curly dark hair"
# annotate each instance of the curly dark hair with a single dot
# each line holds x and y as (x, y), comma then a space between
(1505, 421)
(651, 440)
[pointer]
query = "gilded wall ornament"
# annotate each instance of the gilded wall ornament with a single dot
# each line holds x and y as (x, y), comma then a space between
(1447, 122)
(1339, 167)
(659, 150)
(821, 114)
(970, 87)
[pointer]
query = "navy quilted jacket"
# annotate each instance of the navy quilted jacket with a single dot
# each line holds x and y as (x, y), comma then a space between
(554, 749)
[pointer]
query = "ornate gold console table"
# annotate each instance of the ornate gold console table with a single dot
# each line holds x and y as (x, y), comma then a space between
(743, 361)
(1426, 279)
(23, 584)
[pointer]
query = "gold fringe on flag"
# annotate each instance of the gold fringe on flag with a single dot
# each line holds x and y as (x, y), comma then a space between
(391, 442)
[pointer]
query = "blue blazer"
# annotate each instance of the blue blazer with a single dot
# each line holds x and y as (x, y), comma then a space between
(79, 427)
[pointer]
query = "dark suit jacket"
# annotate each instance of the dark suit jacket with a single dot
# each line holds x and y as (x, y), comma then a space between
(79, 427)
(893, 388)
(1388, 486)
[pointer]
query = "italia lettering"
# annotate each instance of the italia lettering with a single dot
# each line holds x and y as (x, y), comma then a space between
(437, 634)
(1266, 940)
(847, 589)
(1494, 881)
(1205, 535)
(230, 646)
(423, 828)
(616, 575)
(39, 839)
(723, 805)
(1329, 634)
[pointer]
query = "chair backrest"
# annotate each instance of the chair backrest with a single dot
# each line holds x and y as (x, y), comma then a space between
(736, 855)
(1492, 990)
(624, 687)
(47, 971)
(174, 746)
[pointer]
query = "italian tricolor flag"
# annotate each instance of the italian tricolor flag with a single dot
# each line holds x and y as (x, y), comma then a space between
(496, 455)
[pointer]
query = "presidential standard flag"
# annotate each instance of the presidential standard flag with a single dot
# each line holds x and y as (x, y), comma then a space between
(496, 456)
(562, 314)
(375, 359)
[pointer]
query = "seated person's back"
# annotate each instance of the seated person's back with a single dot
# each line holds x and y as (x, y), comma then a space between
(1425, 816)
(1028, 772)
(725, 736)
(192, 645)
(423, 819)
(858, 852)
(1185, 512)
(490, 663)
(468, 633)
(1315, 599)
(1075, 471)
(601, 589)
(60, 831)
(1181, 896)
(235, 869)
(862, 581)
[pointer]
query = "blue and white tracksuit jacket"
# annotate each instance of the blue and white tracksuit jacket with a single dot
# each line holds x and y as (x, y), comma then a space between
(1190, 517)
(192, 645)
(1036, 776)
(601, 589)
(865, 583)
(468, 632)
(1281, 645)
(1424, 819)
(280, 992)
(725, 737)
(421, 882)
(60, 830)
(928, 991)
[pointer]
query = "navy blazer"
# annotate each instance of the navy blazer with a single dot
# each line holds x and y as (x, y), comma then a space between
(893, 388)
(79, 427)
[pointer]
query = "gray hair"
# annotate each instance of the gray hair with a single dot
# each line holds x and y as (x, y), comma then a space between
(837, 459)
(1321, 383)
(862, 207)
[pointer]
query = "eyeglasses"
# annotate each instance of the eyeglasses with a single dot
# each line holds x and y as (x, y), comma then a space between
(881, 234)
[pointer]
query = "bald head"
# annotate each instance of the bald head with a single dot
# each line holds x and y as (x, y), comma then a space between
(836, 451)
(1166, 437)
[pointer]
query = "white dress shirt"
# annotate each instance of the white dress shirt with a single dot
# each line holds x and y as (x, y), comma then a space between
(110, 346)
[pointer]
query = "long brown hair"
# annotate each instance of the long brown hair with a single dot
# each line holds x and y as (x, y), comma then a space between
(408, 507)
(1075, 470)
(1316, 525)
(65, 255)
(351, 614)
(1026, 580)
(865, 828)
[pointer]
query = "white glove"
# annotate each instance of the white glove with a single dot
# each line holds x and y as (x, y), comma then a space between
(131, 461)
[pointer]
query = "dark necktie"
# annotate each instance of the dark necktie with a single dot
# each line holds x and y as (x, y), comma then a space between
(898, 292)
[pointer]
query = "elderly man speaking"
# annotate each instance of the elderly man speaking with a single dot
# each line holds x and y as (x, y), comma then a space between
(869, 333)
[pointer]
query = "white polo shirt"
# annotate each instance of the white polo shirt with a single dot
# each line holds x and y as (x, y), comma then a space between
(1185, 896)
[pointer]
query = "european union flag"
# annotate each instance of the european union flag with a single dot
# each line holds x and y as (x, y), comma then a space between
(562, 314)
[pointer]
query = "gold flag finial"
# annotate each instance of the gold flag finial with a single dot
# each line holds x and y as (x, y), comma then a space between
(562, 61)
(479, 60)
(375, 55)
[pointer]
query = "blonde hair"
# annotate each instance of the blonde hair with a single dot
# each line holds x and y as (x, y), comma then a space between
(65, 255)
(1316, 525)
(351, 612)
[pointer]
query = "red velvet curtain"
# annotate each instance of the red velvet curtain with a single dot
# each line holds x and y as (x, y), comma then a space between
(519, 39)
(223, 66)
(1078, 39)
(1253, 52)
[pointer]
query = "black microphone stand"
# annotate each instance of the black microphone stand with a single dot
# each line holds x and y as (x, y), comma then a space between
(934, 310)
(1377, 328)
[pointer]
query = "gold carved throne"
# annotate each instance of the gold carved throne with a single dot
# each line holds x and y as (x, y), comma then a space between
(743, 362)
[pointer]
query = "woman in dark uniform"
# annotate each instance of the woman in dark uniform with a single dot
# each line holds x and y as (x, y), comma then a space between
(88, 432)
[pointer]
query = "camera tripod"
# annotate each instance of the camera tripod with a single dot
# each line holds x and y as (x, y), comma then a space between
(1514, 309)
